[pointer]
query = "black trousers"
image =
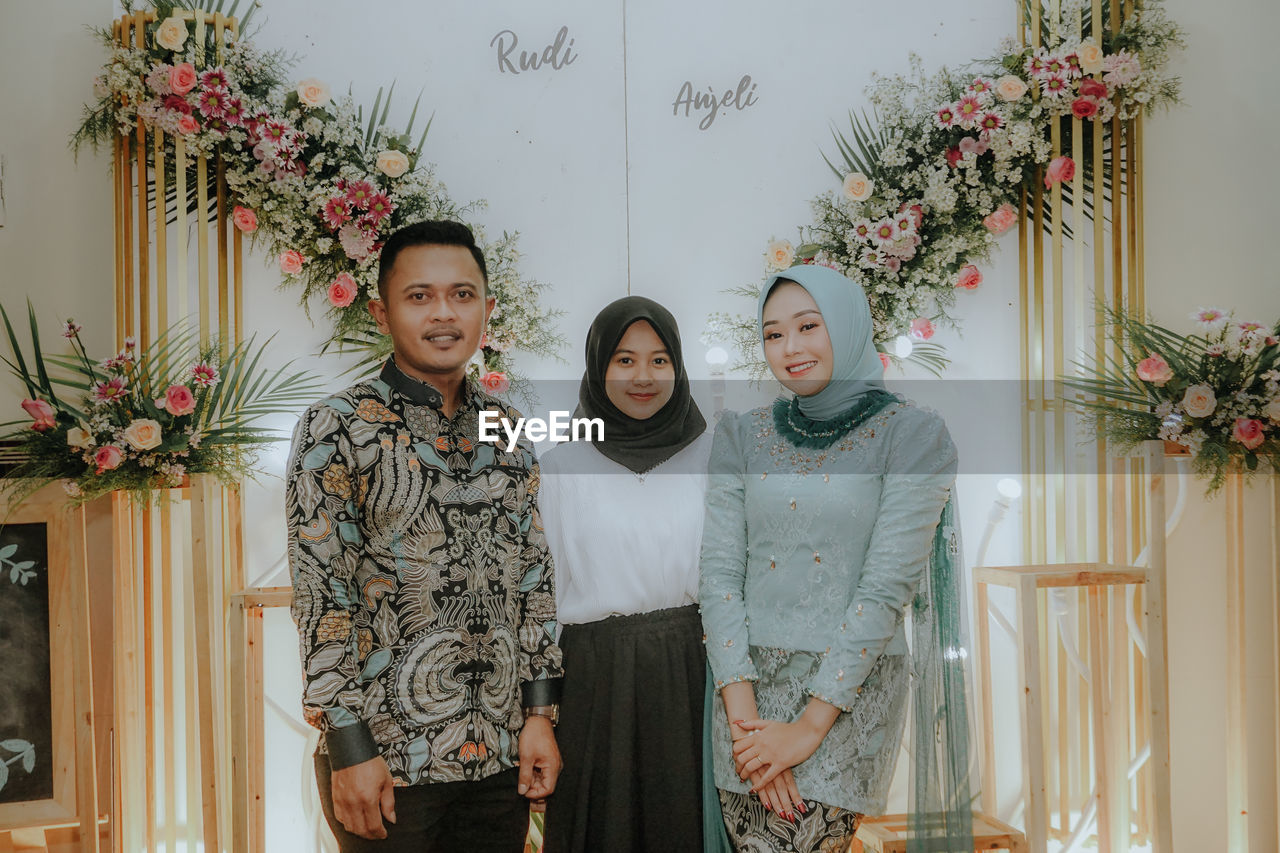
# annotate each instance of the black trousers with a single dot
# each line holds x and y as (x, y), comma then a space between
(487, 816)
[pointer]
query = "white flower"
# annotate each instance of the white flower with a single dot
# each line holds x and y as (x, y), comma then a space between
(1199, 401)
(1272, 411)
(779, 256)
(172, 33)
(79, 438)
(857, 186)
(392, 163)
(313, 92)
(143, 434)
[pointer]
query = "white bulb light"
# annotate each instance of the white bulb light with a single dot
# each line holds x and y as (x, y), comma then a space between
(1009, 488)
(902, 346)
(717, 356)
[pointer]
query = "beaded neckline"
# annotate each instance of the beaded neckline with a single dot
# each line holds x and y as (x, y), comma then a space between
(803, 431)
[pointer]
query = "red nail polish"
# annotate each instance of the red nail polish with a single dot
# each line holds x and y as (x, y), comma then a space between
(738, 722)
(766, 805)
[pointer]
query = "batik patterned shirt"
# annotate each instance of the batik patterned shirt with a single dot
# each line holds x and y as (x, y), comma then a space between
(423, 590)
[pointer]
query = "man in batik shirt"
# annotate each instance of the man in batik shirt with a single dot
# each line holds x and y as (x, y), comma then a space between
(422, 585)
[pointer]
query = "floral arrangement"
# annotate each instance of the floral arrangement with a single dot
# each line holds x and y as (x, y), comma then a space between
(138, 421)
(931, 181)
(1216, 393)
(318, 186)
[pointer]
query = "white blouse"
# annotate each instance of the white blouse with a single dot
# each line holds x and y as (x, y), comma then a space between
(623, 543)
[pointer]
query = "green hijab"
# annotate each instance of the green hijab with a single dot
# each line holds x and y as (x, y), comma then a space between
(857, 368)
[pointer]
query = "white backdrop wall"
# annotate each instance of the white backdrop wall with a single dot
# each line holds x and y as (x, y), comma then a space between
(613, 193)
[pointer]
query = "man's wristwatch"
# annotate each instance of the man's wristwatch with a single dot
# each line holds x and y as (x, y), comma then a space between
(551, 712)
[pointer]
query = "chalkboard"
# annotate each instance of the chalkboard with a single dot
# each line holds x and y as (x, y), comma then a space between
(26, 693)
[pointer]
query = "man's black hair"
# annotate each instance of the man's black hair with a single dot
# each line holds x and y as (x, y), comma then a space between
(432, 232)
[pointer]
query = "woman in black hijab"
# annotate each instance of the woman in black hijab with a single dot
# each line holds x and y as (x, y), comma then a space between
(623, 519)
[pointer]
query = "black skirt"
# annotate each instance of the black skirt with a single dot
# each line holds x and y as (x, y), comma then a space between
(630, 736)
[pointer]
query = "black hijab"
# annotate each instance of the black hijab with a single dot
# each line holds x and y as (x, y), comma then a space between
(638, 444)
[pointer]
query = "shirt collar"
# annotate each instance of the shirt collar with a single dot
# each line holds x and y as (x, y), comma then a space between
(418, 392)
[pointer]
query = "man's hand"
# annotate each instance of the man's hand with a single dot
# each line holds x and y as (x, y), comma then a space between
(539, 758)
(363, 794)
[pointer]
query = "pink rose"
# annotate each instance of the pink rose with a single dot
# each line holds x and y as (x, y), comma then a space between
(188, 125)
(178, 400)
(921, 329)
(107, 457)
(182, 78)
(1084, 107)
(970, 277)
(42, 413)
(1091, 88)
(884, 360)
(1248, 432)
(178, 104)
(291, 262)
(495, 382)
(1155, 370)
(245, 219)
(343, 290)
(1060, 169)
(1001, 219)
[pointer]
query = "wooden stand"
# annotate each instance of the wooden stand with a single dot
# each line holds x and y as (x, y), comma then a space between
(1108, 718)
(891, 834)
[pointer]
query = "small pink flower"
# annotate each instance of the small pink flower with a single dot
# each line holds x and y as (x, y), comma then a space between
(245, 219)
(1084, 107)
(1054, 85)
(921, 329)
(1249, 327)
(204, 374)
(179, 400)
(212, 102)
(884, 360)
(970, 145)
(917, 213)
(379, 207)
(107, 457)
(1060, 169)
(42, 413)
(336, 213)
(1001, 219)
(215, 78)
(182, 78)
(893, 264)
(946, 116)
(1155, 370)
(188, 125)
(991, 121)
(954, 157)
(343, 290)
(356, 242)
(1091, 88)
(70, 329)
(1036, 62)
(968, 110)
(291, 262)
(495, 382)
(359, 193)
(885, 231)
(980, 86)
(862, 228)
(110, 391)
(970, 277)
(233, 112)
(1248, 431)
(1121, 68)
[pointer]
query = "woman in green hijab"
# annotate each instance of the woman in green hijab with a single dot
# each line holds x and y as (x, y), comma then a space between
(827, 515)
